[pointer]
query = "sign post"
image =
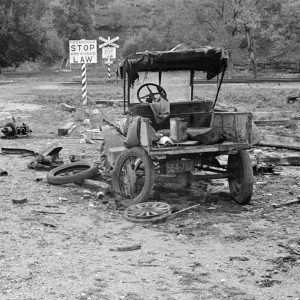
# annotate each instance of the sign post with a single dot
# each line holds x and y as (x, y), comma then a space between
(83, 52)
(109, 50)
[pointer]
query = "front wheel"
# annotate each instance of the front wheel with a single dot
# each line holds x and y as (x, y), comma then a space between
(240, 176)
(133, 176)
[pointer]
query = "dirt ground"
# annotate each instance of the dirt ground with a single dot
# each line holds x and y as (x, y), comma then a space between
(220, 250)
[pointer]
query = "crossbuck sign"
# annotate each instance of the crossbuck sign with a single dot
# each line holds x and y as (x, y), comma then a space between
(108, 49)
(109, 42)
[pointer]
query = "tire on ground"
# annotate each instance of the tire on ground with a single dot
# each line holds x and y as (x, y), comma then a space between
(83, 170)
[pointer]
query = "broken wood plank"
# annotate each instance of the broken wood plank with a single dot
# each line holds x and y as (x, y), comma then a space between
(48, 212)
(280, 146)
(50, 221)
(282, 161)
(275, 122)
(127, 248)
(67, 107)
(94, 134)
(47, 150)
(103, 186)
(67, 128)
(284, 131)
(275, 205)
(280, 141)
(276, 158)
(271, 115)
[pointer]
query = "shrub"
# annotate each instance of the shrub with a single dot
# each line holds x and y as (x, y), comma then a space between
(53, 48)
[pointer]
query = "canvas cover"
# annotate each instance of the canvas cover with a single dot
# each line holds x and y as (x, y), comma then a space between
(206, 59)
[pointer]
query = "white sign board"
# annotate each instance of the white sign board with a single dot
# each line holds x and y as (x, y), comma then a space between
(83, 51)
(108, 52)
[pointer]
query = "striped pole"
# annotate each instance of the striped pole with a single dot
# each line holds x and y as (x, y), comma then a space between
(83, 84)
(109, 63)
(108, 71)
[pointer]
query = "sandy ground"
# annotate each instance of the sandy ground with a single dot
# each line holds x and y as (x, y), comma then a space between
(221, 250)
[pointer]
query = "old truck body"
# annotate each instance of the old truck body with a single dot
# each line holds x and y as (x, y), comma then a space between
(174, 132)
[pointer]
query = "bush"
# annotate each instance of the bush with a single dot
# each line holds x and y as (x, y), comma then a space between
(53, 48)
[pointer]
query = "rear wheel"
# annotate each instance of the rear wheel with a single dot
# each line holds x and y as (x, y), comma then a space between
(240, 176)
(133, 176)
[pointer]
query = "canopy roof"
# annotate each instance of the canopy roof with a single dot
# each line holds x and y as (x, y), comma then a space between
(206, 59)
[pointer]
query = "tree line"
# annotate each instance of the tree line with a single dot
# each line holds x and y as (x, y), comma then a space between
(248, 29)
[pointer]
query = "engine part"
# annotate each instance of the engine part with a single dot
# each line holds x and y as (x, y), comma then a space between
(10, 130)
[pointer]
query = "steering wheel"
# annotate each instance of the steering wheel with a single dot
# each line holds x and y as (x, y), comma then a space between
(151, 96)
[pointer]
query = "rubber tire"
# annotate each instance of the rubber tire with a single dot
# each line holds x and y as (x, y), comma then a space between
(90, 171)
(244, 176)
(149, 175)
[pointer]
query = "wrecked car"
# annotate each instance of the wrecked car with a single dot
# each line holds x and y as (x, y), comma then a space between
(176, 134)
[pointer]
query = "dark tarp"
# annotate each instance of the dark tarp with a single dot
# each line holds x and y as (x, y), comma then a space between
(206, 59)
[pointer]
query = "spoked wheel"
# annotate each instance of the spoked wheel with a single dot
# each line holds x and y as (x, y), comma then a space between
(240, 176)
(151, 92)
(73, 172)
(133, 176)
(148, 211)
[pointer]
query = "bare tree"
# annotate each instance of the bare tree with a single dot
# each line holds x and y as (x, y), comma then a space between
(232, 17)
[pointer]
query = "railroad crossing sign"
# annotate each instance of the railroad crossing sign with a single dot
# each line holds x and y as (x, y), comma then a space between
(109, 52)
(109, 42)
(109, 49)
(83, 51)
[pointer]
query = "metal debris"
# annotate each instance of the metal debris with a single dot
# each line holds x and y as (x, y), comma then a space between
(19, 201)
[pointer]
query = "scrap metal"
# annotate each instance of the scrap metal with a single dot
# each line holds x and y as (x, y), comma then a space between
(11, 130)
